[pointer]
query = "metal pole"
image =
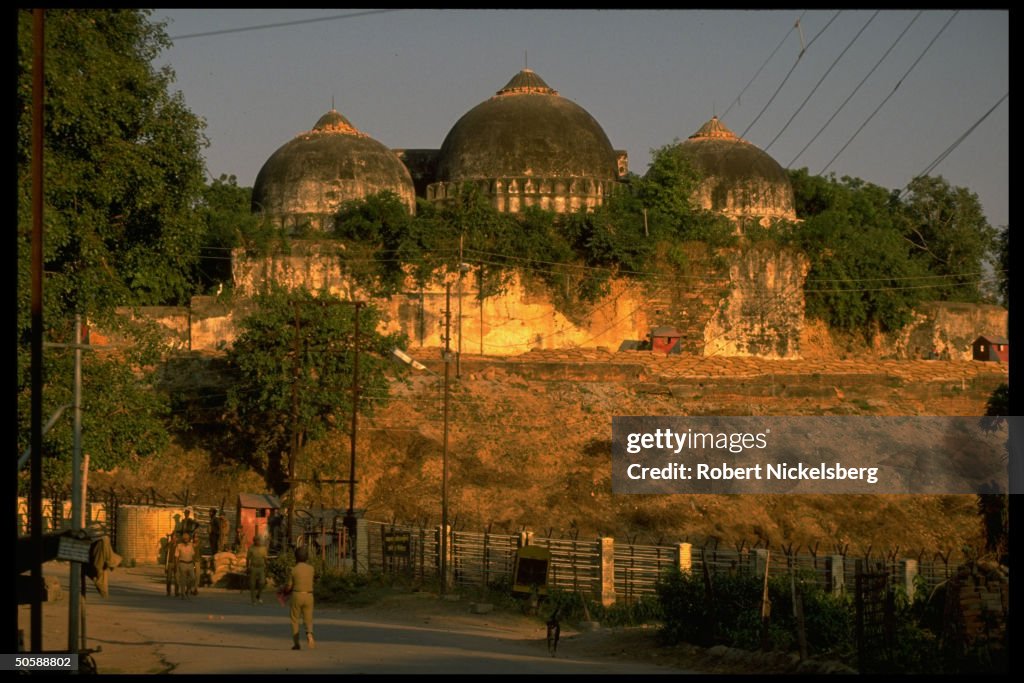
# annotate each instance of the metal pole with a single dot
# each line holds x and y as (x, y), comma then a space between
(350, 518)
(444, 462)
(74, 604)
(36, 469)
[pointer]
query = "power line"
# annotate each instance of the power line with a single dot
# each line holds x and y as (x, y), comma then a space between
(790, 73)
(895, 87)
(931, 167)
(850, 96)
(754, 77)
(282, 23)
(821, 80)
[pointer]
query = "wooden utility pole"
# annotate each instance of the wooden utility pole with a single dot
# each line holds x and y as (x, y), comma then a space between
(36, 376)
(766, 604)
(294, 454)
(444, 461)
(350, 514)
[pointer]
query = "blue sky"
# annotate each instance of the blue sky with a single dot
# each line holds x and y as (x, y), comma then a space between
(648, 76)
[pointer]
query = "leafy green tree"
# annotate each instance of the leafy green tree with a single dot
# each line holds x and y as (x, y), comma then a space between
(949, 234)
(993, 508)
(122, 164)
(122, 173)
(226, 211)
(666, 191)
(294, 362)
(861, 276)
(1002, 265)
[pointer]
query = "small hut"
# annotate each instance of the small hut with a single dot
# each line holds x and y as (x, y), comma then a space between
(666, 340)
(992, 348)
(254, 513)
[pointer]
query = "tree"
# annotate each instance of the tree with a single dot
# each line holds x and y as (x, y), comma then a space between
(861, 276)
(1002, 265)
(122, 163)
(228, 222)
(993, 508)
(294, 364)
(949, 234)
(122, 172)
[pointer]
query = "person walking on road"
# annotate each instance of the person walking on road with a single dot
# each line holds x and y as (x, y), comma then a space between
(300, 586)
(171, 564)
(256, 563)
(185, 559)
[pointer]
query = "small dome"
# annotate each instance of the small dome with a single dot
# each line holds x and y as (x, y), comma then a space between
(527, 130)
(308, 178)
(740, 180)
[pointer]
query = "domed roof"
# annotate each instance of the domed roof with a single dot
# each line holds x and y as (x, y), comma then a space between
(739, 178)
(311, 175)
(526, 129)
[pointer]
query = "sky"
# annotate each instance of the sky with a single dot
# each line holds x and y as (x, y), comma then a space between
(937, 102)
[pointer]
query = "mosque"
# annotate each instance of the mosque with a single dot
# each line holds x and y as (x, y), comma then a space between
(528, 146)
(525, 146)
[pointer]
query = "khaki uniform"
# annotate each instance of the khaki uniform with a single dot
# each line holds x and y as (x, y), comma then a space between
(185, 554)
(256, 562)
(301, 601)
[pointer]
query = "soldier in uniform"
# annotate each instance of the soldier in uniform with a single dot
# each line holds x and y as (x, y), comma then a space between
(256, 563)
(300, 589)
(214, 532)
(171, 564)
(188, 525)
(185, 556)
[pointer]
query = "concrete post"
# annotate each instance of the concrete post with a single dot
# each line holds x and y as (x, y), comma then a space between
(908, 570)
(760, 560)
(835, 574)
(684, 557)
(607, 571)
(362, 544)
(448, 547)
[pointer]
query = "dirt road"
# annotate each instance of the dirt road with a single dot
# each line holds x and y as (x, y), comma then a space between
(141, 630)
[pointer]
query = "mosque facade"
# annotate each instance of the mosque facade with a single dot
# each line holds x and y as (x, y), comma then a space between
(528, 146)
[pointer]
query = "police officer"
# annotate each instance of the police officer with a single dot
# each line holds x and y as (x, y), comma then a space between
(256, 563)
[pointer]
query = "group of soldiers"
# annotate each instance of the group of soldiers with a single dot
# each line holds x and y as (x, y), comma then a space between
(182, 558)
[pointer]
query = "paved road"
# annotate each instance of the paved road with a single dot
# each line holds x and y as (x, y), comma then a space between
(219, 632)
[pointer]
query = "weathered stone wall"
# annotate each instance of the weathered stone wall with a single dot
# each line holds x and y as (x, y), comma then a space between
(746, 302)
(764, 310)
(944, 330)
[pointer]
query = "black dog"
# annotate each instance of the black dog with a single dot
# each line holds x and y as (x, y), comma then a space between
(554, 630)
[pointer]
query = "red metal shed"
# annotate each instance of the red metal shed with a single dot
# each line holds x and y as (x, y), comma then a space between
(992, 348)
(254, 511)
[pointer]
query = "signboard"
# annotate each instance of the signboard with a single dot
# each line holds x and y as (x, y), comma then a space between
(396, 543)
(531, 570)
(73, 549)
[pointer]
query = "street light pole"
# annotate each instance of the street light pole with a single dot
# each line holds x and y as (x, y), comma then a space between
(444, 462)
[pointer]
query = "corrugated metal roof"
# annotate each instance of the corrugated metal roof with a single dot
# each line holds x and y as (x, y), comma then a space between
(258, 500)
(992, 340)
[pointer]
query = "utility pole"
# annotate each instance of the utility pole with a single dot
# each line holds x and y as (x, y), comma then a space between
(458, 353)
(36, 377)
(350, 515)
(444, 462)
(77, 492)
(294, 454)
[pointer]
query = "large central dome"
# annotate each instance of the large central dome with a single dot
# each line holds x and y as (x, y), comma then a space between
(528, 142)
